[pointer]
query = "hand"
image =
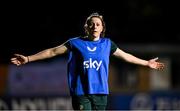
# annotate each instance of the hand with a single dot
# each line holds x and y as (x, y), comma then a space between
(155, 65)
(19, 59)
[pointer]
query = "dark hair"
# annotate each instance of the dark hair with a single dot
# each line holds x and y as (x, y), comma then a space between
(88, 20)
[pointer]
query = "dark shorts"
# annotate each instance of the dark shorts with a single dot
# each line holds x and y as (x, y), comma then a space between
(89, 102)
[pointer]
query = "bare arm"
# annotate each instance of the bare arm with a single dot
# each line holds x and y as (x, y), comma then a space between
(135, 60)
(47, 53)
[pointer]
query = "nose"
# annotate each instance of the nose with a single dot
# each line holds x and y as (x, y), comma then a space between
(94, 26)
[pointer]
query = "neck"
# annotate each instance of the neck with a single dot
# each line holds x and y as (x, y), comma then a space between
(92, 38)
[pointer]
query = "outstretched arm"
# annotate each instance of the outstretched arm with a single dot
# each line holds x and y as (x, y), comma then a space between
(152, 63)
(47, 53)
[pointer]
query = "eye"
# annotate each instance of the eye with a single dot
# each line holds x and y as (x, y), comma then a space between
(91, 25)
(97, 24)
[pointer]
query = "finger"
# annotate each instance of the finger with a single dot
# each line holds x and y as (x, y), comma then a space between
(17, 55)
(18, 62)
(12, 59)
(155, 58)
(15, 59)
(15, 62)
(160, 66)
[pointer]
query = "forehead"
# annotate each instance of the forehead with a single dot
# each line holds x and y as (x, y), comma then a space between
(96, 19)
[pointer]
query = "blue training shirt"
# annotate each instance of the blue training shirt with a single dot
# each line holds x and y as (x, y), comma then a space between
(88, 65)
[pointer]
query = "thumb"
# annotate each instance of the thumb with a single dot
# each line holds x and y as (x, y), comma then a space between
(155, 59)
(17, 54)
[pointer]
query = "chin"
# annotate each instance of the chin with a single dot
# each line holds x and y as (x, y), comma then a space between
(96, 35)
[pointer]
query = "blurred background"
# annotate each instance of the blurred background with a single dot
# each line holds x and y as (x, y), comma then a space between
(144, 28)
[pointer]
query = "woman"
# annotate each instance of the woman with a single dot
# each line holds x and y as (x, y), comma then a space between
(88, 64)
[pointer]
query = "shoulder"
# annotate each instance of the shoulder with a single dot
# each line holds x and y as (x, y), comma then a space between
(74, 38)
(71, 41)
(113, 44)
(107, 39)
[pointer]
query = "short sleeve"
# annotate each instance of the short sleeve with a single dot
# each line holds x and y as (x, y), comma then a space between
(68, 45)
(113, 47)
